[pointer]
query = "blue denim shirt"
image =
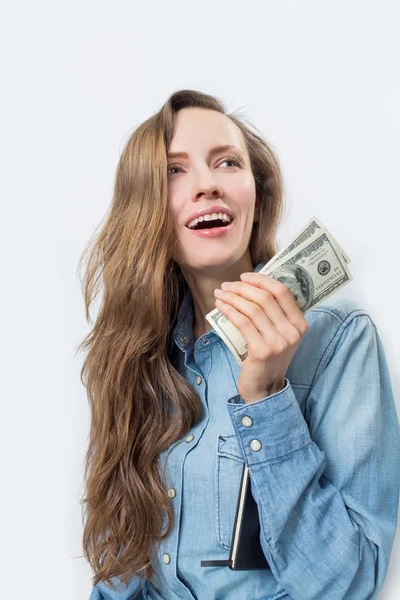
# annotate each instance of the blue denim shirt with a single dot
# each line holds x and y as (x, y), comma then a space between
(326, 479)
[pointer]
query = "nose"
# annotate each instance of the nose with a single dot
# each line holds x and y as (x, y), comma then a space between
(210, 191)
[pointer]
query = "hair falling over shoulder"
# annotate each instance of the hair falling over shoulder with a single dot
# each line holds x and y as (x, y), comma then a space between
(140, 404)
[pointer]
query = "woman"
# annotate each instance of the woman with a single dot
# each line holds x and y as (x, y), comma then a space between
(174, 416)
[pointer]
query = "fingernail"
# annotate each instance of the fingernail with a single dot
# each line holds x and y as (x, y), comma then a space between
(245, 276)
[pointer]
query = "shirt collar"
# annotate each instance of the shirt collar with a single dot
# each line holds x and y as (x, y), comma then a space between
(183, 330)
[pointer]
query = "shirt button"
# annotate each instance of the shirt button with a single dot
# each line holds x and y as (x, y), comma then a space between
(183, 339)
(205, 342)
(199, 379)
(247, 421)
(171, 493)
(166, 558)
(255, 445)
(190, 438)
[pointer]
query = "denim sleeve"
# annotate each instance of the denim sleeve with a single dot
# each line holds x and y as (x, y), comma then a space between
(129, 591)
(327, 488)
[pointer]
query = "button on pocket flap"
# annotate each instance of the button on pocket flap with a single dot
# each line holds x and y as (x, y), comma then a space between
(228, 446)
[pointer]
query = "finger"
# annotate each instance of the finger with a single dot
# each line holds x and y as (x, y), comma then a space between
(283, 296)
(257, 348)
(252, 318)
(267, 301)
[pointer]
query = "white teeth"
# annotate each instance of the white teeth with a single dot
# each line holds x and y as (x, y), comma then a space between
(211, 217)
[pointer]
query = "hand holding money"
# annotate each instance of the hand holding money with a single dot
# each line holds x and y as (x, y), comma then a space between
(265, 312)
(312, 266)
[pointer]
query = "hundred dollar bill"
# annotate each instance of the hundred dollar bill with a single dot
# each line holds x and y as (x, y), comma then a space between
(313, 271)
(313, 226)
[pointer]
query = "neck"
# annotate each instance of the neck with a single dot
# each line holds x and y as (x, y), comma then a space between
(202, 284)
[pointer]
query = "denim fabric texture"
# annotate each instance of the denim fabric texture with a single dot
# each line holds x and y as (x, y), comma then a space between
(326, 478)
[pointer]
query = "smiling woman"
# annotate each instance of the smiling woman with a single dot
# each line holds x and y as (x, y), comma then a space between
(218, 179)
(197, 202)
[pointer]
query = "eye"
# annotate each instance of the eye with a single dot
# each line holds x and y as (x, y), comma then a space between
(233, 159)
(172, 167)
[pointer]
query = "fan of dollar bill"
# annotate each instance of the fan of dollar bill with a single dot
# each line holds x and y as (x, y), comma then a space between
(312, 265)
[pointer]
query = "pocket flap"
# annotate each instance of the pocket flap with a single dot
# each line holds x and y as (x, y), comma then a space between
(229, 446)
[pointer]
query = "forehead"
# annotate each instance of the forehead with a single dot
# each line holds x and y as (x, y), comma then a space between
(197, 129)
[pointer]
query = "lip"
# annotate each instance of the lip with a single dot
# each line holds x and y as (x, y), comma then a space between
(208, 211)
(213, 232)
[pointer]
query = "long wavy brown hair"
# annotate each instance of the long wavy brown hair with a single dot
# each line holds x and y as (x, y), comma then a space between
(140, 403)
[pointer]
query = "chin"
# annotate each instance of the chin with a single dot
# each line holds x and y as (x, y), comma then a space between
(198, 263)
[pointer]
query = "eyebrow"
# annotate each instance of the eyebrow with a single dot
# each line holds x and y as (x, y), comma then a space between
(211, 152)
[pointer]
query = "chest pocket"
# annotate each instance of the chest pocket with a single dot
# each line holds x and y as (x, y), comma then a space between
(229, 466)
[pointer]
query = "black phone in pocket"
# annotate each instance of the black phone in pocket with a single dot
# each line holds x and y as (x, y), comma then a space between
(246, 552)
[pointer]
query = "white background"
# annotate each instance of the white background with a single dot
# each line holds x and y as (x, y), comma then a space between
(320, 79)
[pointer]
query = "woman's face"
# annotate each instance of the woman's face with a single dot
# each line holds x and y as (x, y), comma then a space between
(202, 180)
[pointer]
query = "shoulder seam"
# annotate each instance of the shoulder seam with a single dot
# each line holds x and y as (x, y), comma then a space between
(331, 347)
(334, 313)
